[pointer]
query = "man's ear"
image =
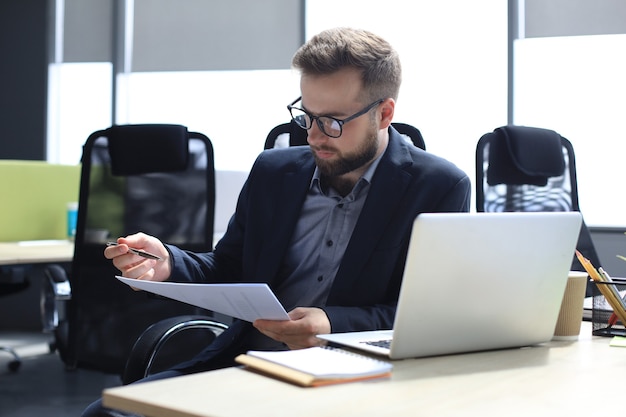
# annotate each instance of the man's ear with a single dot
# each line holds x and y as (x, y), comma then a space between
(387, 109)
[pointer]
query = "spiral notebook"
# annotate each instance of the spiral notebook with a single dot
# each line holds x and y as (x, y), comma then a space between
(477, 281)
(315, 366)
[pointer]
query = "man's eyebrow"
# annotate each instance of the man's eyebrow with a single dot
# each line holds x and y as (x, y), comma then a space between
(328, 114)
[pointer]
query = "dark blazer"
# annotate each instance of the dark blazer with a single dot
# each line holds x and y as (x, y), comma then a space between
(407, 181)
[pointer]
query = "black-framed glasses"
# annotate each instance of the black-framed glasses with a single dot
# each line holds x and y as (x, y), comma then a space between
(330, 126)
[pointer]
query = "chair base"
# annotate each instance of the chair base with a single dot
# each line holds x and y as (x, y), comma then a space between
(15, 364)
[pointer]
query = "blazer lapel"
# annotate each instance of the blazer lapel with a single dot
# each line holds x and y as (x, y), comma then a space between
(282, 222)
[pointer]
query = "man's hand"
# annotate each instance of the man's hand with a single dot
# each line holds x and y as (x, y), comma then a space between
(135, 266)
(300, 331)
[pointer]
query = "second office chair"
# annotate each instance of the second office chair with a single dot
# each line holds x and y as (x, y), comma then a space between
(521, 168)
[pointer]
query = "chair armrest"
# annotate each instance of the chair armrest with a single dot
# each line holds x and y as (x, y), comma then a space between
(144, 355)
(55, 288)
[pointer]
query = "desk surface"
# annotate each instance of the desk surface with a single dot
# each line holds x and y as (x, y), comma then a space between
(556, 379)
(36, 251)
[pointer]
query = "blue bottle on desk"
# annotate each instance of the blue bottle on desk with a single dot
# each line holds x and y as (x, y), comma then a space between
(72, 215)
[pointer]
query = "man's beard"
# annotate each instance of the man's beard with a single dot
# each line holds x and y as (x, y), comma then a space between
(350, 162)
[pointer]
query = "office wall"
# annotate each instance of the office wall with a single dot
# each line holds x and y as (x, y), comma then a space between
(201, 35)
(87, 31)
(23, 79)
(548, 18)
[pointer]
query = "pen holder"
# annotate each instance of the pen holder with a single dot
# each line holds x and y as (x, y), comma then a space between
(602, 311)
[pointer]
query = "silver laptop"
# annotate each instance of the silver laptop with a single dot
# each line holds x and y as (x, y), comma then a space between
(477, 281)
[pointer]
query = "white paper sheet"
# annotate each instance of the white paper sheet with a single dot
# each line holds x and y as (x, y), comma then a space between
(244, 301)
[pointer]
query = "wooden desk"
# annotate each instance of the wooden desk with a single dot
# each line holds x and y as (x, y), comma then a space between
(33, 252)
(555, 379)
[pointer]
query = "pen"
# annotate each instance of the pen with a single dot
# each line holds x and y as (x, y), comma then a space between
(613, 319)
(144, 254)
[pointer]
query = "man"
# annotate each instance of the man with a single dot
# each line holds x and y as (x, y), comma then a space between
(326, 226)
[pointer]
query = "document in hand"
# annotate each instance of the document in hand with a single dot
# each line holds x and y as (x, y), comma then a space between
(315, 366)
(243, 301)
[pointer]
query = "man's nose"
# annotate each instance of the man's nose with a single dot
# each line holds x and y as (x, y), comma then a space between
(315, 134)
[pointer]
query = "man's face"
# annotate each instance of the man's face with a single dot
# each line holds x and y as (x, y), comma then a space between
(337, 95)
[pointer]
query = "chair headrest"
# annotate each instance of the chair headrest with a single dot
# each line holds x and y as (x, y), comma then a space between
(141, 149)
(524, 155)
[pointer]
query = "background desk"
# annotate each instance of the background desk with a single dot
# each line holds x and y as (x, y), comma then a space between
(555, 379)
(20, 311)
(33, 252)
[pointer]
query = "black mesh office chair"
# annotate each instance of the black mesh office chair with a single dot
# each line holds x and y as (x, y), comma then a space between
(157, 179)
(290, 134)
(520, 168)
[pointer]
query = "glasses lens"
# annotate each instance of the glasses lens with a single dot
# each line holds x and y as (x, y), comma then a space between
(331, 127)
(328, 125)
(300, 117)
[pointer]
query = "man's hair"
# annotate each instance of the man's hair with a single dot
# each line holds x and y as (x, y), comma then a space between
(335, 49)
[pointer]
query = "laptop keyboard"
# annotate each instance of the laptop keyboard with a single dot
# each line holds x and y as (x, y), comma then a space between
(385, 343)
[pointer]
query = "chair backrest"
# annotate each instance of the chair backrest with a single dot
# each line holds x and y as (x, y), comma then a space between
(520, 168)
(502, 185)
(285, 135)
(290, 134)
(157, 179)
(411, 133)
